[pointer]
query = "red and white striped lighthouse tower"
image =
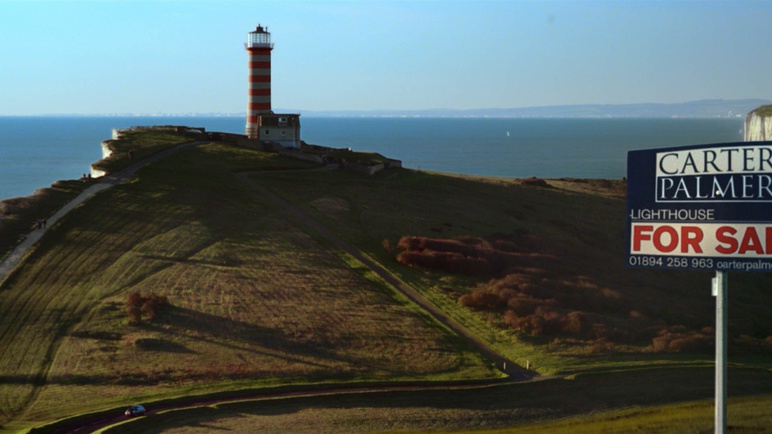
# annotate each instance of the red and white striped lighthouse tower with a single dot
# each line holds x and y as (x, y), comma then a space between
(259, 47)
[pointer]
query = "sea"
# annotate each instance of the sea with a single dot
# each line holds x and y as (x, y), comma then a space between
(36, 151)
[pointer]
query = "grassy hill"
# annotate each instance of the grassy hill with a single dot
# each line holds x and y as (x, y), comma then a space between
(257, 297)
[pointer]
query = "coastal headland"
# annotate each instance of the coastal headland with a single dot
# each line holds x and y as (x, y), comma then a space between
(277, 277)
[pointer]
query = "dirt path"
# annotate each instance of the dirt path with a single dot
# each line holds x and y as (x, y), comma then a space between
(505, 365)
(20, 251)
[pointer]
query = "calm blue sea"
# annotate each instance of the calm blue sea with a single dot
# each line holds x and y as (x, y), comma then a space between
(36, 151)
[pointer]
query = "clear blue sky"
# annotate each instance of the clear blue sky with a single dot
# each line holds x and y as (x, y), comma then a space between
(98, 57)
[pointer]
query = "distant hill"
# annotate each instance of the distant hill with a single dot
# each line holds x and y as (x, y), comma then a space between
(713, 108)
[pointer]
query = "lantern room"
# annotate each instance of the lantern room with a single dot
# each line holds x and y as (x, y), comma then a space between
(259, 38)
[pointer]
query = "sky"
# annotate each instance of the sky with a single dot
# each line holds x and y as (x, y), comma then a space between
(119, 57)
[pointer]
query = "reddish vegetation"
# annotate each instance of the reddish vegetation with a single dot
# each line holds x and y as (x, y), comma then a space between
(138, 306)
(466, 255)
(529, 291)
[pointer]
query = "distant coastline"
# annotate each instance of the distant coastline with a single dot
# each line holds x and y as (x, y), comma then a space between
(700, 109)
(715, 108)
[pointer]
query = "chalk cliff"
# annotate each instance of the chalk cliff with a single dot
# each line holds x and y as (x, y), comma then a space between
(758, 124)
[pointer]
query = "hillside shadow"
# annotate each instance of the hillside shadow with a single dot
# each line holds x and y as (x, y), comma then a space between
(239, 335)
(231, 262)
(162, 346)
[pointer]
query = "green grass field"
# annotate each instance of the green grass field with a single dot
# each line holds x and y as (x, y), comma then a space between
(253, 298)
(581, 223)
(258, 299)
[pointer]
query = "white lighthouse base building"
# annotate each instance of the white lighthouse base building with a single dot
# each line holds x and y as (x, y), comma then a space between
(283, 129)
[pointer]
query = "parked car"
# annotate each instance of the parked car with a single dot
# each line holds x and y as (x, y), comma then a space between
(135, 410)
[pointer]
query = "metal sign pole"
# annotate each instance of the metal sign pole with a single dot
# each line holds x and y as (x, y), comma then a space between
(720, 287)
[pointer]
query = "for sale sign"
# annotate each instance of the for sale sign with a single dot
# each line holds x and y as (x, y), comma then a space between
(705, 207)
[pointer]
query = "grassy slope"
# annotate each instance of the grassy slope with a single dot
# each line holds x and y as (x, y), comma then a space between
(253, 298)
(584, 229)
(19, 215)
(257, 298)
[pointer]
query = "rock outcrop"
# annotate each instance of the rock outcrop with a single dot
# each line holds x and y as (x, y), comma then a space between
(758, 124)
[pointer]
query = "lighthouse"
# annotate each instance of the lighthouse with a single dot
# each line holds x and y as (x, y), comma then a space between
(262, 123)
(259, 47)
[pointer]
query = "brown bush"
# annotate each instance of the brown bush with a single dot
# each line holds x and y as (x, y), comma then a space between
(482, 299)
(467, 255)
(532, 292)
(520, 282)
(134, 299)
(409, 243)
(451, 246)
(445, 261)
(138, 306)
(677, 339)
(135, 315)
(466, 300)
(524, 306)
(532, 324)
(578, 323)
(554, 321)
(510, 319)
(601, 346)
(544, 322)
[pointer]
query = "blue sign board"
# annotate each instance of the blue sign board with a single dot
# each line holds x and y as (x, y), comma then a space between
(706, 207)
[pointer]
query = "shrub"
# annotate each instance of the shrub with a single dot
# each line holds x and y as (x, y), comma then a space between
(135, 315)
(554, 321)
(133, 308)
(482, 299)
(465, 300)
(138, 306)
(510, 319)
(577, 323)
(601, 346)
(676, 339)
(446, 261)
(534, 324)
(524, 306)
(544, 322)
(465, 255)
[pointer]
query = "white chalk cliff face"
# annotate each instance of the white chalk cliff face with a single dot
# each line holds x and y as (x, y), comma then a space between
(758, 124)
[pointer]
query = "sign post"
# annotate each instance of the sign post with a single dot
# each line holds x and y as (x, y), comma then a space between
(721, 285)
(702, 207)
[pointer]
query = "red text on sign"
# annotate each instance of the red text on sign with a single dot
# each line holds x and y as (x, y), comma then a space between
(704, 239)
(666, 239)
